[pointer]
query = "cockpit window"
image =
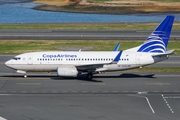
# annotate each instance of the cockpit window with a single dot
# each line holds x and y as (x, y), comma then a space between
(16, 58)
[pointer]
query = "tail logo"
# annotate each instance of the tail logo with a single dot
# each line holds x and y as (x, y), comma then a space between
(157, 42)
(154, 43)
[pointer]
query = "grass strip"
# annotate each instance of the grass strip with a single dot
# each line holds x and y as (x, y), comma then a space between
(22, 46)
(87, 26)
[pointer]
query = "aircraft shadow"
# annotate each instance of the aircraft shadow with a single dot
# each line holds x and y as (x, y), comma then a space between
(128, 75)
(83, 77)
(123, 75)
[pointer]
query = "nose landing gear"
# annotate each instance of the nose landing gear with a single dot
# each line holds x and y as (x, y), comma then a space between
(25, 75)
(22, 72)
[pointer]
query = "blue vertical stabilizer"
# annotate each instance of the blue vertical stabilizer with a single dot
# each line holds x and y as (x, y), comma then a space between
(157, 42)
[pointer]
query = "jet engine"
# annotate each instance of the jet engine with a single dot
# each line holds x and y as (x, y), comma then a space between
(67, 71)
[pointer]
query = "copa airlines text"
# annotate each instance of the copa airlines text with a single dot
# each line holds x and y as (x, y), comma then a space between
(72, 63)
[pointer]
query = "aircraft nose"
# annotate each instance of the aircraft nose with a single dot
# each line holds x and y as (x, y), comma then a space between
(8, 63)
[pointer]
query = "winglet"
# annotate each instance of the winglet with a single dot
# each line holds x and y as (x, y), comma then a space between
(117, 47)
(117, 58)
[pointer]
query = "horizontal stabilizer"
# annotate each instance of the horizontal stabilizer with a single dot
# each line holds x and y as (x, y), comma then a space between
(166, 53)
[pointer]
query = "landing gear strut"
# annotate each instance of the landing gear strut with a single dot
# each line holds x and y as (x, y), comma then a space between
(89, 76)
(22, 72)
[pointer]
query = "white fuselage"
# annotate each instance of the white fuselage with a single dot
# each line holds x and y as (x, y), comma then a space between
(50, 61)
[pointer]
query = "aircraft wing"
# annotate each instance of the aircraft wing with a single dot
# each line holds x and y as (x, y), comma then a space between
(89, 68)
(98, 67)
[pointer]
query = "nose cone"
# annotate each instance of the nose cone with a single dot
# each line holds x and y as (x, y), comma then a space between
(8, 63)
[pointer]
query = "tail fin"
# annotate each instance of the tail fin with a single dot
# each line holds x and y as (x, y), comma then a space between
(157, 42)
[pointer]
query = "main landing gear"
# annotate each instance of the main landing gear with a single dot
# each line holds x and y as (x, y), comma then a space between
(89, 76)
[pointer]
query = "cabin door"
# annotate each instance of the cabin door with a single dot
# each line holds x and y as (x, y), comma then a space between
(138, 57)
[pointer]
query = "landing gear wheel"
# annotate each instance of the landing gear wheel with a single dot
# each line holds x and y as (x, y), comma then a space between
(89, 76)
(25, 76)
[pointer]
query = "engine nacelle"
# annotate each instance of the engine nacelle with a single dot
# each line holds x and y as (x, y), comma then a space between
(67, 71)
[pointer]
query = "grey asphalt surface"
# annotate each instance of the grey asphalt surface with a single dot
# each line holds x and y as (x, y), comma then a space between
(78, 35)
(88, 107)
(110, 96)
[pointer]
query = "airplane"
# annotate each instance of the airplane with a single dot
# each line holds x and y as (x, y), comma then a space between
(73, 63)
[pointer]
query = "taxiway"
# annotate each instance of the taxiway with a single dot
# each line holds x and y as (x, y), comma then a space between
(79, 35)
(110, 96)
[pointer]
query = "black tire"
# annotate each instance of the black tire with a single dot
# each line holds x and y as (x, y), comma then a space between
(89, 76)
